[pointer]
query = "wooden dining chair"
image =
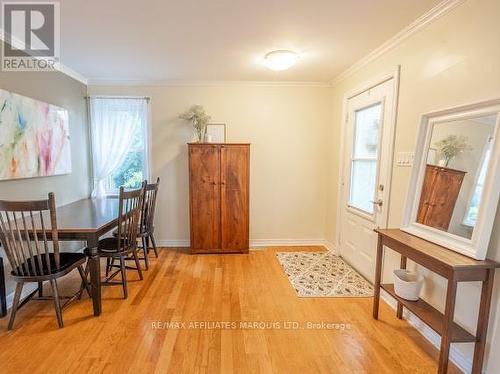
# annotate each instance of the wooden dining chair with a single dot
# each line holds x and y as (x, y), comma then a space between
(148, 216)
(146, 228)
(124, 244)
(28, 233)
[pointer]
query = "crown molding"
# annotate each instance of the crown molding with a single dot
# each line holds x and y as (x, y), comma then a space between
(166, 83)
(438, 11)
(72, 73)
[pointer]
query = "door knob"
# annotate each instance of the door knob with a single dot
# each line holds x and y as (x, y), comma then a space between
(379, 202)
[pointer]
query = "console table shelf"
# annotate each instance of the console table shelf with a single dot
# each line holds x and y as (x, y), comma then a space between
(431, 316)
(455, 268)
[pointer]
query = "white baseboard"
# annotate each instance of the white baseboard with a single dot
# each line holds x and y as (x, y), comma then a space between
(176, 243)
(461, 361)
(331, 247)
(259, 243)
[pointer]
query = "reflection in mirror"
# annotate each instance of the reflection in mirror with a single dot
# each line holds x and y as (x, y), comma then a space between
(457, 162)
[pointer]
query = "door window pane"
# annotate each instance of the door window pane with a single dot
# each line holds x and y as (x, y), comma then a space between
(366, 132)
(364, 158)
(363, 179)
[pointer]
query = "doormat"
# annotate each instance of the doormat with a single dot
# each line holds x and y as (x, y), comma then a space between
(323, 274)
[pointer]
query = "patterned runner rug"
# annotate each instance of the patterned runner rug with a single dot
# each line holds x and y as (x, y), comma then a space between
(323, 274)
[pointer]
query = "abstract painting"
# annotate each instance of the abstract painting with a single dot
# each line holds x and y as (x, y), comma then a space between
(34, 138)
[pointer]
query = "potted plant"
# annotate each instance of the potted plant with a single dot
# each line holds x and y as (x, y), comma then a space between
(199, 120)
(450, 147)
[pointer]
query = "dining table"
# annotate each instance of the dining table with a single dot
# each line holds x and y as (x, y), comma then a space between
(83, 220)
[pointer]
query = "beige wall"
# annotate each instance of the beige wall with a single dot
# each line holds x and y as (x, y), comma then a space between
(286, 126)
(59, 89)
(453, 61)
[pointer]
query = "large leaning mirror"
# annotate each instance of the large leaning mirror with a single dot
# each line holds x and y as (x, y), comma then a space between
(455, 182)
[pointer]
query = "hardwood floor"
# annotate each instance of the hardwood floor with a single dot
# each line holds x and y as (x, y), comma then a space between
(200, 288)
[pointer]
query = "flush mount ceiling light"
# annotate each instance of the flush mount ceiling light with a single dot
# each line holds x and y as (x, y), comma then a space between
(280, 60)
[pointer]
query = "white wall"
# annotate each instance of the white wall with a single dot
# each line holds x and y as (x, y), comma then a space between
(452, 61)
(286, 126)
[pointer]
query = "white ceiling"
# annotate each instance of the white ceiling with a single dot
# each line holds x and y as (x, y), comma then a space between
(222, 40)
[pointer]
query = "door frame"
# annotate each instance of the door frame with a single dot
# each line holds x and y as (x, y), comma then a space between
(395, 75)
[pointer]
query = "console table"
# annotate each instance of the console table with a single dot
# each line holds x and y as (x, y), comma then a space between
(455, 268)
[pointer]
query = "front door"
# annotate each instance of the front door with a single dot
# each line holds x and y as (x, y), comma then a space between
(366, 174)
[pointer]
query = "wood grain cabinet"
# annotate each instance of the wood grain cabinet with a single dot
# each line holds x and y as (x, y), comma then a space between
(219, 197)
(439, 195)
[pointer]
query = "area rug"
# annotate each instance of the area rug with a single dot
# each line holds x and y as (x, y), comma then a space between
(323, 274)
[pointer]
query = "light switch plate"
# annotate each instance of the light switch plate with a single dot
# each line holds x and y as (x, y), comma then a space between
(405, 159)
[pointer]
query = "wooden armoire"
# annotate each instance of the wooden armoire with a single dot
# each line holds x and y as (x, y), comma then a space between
(219, 176)
(439, 195)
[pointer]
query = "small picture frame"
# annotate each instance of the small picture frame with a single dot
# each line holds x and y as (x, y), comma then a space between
(215, 133)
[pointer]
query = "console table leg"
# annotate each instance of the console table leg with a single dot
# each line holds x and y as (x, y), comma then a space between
(399, 312)
(378, 275)
(449, 312)
(482, 321)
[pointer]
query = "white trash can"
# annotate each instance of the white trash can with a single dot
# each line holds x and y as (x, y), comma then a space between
(408, 284)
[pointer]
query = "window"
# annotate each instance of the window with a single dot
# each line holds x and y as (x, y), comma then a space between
(133, 170)
(473, 208)
(364, 159)
(119, 143)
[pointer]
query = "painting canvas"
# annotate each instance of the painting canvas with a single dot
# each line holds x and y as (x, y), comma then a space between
(34, 138)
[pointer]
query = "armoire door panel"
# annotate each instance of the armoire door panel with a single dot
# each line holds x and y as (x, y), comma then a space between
(234, 197)
(431, 174)
(439, 195)
(204, 164)
(446, 191)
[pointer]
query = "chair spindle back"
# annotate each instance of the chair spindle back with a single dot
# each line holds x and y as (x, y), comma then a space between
(129, 215)
(148, 212)
(26, 228)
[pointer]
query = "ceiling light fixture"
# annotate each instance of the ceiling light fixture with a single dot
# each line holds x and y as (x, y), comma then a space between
(280, 60)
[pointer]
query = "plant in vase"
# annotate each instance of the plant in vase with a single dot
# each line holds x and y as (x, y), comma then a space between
(450, 147)
(199, 119)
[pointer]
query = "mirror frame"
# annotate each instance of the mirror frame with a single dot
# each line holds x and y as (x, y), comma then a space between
(477, 246)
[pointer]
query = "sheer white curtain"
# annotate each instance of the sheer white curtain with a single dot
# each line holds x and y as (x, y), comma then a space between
(113, 124)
